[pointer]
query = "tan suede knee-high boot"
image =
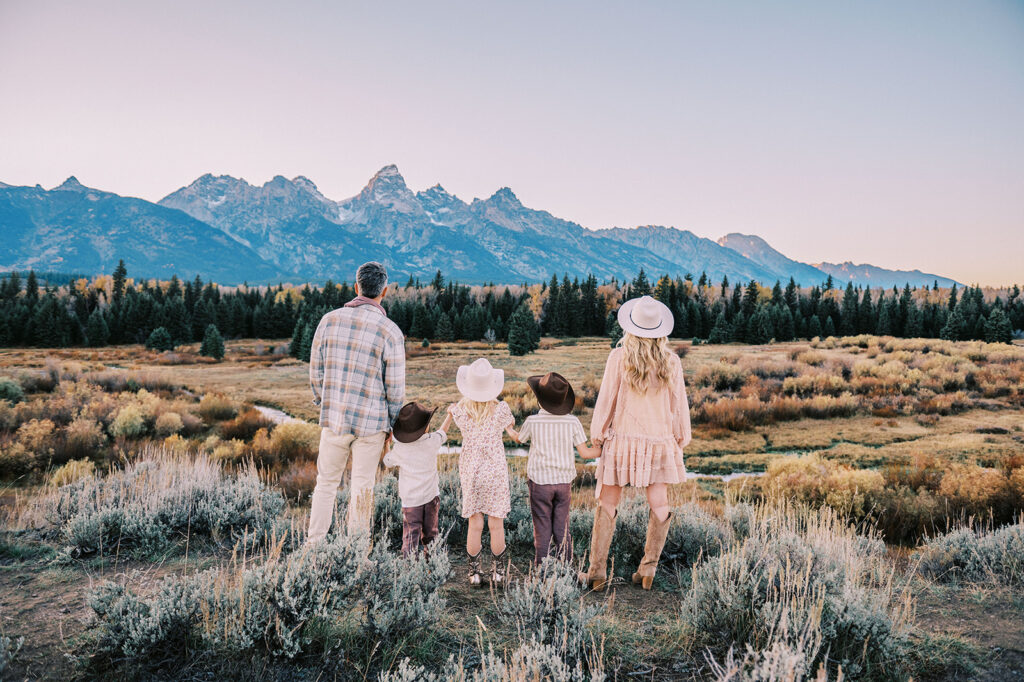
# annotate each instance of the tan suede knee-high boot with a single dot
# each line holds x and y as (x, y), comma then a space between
(600, 541)
(657, 532)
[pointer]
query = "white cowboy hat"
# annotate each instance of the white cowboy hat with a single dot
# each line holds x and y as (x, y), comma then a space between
(646, 317)
(480, 381)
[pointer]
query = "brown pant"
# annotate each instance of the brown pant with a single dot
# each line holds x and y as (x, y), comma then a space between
(419, 525)
(549, 505)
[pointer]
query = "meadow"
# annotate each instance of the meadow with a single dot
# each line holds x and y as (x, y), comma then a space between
(855, 513)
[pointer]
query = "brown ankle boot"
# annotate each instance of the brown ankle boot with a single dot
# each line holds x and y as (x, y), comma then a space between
(657, 532)
(600, 541)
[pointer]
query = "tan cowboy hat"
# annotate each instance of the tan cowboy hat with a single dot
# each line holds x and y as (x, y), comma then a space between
(554, 392)
(646, 317)
(412, 422)
(479, 381)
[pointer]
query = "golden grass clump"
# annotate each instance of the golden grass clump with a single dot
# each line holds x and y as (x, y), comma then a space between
(72, 471)
(295, 440)
(168, 424)
(819, 482)
(214, 407)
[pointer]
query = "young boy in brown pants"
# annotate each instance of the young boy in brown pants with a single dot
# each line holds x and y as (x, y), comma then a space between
(415, 454)
(553, 433)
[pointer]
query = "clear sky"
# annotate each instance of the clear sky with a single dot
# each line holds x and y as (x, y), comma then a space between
(888, 132)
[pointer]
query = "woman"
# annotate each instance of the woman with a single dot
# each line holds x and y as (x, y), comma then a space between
(642, 423)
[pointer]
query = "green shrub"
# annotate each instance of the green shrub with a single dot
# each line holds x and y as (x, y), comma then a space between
(129, 423)
(213, 343)
(11, 391)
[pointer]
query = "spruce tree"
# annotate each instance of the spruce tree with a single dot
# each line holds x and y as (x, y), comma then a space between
(720, 332)
(96, 330)
(523, 333)
(160, 339)
(306, 348)
(444, 330)
(120, 278)
(213, 343)
(998, 328)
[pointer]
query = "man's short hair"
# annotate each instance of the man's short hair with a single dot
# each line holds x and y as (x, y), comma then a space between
(372, 277)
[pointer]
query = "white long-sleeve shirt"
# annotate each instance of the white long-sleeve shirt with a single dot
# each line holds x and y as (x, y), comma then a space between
(417, 468)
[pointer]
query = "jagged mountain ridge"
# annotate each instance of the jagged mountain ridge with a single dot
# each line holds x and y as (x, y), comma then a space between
(73, 228)
(288, 230)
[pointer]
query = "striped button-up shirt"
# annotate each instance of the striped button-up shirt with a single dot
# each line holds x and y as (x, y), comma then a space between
(553, 439)
(357, 370)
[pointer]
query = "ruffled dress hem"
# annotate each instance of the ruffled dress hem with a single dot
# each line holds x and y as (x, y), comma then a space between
(639, 461)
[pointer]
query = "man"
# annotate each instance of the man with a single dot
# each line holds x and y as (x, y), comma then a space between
(357, 373)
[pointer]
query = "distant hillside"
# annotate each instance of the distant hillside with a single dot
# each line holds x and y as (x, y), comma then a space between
(228, 230)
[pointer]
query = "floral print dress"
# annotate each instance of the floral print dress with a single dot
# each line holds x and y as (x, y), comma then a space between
(483, 471)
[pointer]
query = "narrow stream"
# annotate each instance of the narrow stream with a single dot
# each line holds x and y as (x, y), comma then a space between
(280, 417)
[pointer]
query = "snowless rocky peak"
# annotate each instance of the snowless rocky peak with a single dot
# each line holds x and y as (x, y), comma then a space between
(72, 185)
(505, 197)
(387, 188)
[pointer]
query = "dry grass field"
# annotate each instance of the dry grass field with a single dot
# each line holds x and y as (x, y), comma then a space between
(908, 437)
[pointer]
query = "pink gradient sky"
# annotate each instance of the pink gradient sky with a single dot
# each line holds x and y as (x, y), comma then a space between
(881, 132)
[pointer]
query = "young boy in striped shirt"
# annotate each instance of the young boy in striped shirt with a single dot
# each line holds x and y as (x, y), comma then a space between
(553, 434)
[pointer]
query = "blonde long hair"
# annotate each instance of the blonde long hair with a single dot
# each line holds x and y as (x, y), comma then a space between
(645, 359)
(478, 411)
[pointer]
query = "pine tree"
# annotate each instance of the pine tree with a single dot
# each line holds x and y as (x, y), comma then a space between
(640, 286)
(998, 328)
(160, 339)
(720, 332)
(213, 343)
(523, 333)
(96, 330)
(306, 348)
(444, 330)
(848, 313)
(120, 278)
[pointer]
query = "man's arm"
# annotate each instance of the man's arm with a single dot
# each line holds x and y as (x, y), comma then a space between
(316, 363)
(394, 376)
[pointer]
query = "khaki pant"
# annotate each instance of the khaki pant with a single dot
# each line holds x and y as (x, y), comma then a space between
(334, 454)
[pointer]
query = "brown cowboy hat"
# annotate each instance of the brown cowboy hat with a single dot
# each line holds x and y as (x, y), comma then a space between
(412, 422)
(554, 392)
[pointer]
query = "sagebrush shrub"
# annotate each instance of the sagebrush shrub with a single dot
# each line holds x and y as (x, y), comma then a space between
(403, 593)
(11, 391)
(150, 504)
(267, 607)
(547, 604)
(976, 555)
(803, 571)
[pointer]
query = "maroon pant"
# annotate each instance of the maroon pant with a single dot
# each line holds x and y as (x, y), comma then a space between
(419, 525)
(549, 505)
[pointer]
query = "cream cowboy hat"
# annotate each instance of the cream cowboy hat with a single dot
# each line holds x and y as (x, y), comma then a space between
(480, 381)
(646, 317)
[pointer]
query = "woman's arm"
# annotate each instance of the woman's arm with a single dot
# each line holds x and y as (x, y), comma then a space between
(680, 408)
(604, 409)
(446, 423)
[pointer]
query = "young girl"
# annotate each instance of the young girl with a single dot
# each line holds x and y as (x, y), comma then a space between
(483, 471)
(642, 423)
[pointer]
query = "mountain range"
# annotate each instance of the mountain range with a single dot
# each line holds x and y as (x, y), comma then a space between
(226, 230)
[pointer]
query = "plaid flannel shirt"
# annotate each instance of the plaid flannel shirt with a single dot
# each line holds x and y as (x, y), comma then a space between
(357, 370)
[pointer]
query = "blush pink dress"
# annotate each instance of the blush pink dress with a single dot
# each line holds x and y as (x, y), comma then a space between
(642, 434)
(483, 471)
